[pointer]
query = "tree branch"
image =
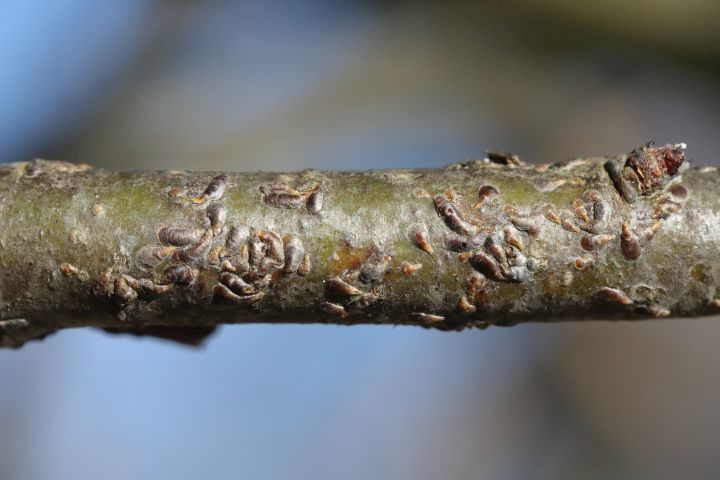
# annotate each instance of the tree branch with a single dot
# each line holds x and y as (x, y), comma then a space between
(490, 242)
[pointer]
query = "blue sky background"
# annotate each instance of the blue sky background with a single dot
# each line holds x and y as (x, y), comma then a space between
(283, 85)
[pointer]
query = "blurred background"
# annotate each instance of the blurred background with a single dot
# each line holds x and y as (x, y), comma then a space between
(287, 84)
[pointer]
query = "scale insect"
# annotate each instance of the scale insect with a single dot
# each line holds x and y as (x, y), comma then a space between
(448, 212)
(214, 191)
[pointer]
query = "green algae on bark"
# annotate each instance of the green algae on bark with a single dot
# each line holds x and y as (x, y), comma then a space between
(474, 244)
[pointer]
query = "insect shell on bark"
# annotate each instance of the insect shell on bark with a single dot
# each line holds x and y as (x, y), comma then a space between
(273, 244)
(217, 213)
(178, 236)
(236, 284)
(315, 202)
(152, 256)
(450, 214)
(294, 253)
(333, 309)
(180, 274)
(214, 191)
(195, 252)
(237, 236)
(336, 285)
(305, 266)
(629, 243)
(418, 235)
(223, 292)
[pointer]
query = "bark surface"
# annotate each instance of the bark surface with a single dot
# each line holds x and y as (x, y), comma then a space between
(488, 242)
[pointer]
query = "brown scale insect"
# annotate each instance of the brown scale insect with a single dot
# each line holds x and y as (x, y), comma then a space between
(678, 193)
(363, 301)
(294, 253)
(180, 274)
(236, 238)
(236, 284)
(305, 266)
(551, 214)
(512, 237)
(132, 282)
(67, 269)
(273, 244)
(195, 252)
(614, 295)
(418, 235)
(214, 256)
(283, 196)
(485, 193)
(465, 307)
(526, 223)
(256, 250)
(178, 236)
(487, 265)
(582, 263)
(237, 264)
(152, 256)
(457, 243)
(601, 215)
(225, 293)
(214, 191)
(580, 210)
(334, 309)
(336, 285)
(509, 210)
(426, 318)
(315, 202)
(217, 213)
(145, 285)
(629, 243)
(464, 256)
(590, 243)
(123, 293)
(150, 286)
(494, 246)
(591, 196)
(569, 226)
(449, 213)
(175, 192)
(451, 195)
(410, 268)
(349, 276)
(253, 276)
(227, 266)
(650, 232)
(267, 265)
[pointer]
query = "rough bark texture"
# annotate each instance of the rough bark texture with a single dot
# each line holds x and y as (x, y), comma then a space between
(488, 242)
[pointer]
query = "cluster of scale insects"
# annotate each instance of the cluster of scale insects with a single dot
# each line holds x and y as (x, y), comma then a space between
(247, 261)
(494, 244)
